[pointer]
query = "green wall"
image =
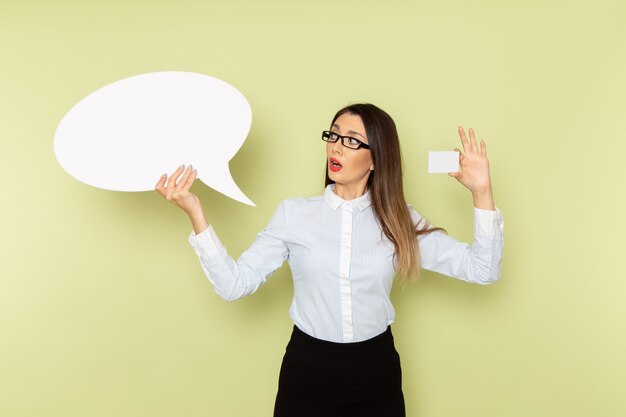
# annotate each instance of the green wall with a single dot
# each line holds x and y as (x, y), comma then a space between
(104, 310)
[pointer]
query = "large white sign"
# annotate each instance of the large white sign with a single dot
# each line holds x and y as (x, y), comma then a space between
(125, 135)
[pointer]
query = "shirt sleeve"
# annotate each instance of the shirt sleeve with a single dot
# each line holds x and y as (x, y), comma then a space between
(477, 263)
(232, 279)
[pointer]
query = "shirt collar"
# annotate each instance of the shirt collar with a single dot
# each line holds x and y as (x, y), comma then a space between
(335, 201)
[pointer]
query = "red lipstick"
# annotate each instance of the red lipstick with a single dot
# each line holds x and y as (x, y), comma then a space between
(334, 165)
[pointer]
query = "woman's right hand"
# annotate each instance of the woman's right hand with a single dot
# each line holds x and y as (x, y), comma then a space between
(178, 191)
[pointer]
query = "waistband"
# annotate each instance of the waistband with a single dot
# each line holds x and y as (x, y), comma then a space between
(301, 339)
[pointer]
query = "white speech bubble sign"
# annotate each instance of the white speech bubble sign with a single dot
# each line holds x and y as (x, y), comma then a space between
(127, 134)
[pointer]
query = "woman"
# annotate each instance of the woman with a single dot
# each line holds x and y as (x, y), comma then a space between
(344, 249)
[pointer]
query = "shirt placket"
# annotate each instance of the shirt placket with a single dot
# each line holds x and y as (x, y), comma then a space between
(344, 271)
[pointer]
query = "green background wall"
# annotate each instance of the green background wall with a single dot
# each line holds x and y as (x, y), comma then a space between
(104, 310)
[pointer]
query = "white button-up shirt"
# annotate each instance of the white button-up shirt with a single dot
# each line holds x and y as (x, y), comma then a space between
(342, 263)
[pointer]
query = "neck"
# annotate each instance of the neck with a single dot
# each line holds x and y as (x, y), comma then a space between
(349, 191)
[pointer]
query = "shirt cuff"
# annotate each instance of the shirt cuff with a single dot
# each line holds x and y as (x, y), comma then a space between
(488, 223)
(206, 244)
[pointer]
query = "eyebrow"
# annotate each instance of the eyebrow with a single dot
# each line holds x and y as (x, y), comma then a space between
(352, 132)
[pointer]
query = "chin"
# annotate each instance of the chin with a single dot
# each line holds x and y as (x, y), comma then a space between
(333, 177)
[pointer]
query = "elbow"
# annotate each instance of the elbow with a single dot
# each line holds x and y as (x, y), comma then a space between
(238, 289)
(489, 279)
(485, 271)
(226, 293)
(484, 266)
(228, 298)
(484, 275)
(229, 295)
(234, 286)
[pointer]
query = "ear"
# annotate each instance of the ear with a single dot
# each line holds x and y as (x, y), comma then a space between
(372, 167)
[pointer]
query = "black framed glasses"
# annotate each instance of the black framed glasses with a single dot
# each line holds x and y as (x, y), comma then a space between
(347, 141)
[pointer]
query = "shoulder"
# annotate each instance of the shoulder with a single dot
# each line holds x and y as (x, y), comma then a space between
(412, 209)
(417, 218)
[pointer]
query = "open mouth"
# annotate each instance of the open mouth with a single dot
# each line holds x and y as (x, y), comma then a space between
(334, 164)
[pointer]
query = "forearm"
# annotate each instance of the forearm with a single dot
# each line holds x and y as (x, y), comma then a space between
(233, 279)
(484, 199)
(198, 221)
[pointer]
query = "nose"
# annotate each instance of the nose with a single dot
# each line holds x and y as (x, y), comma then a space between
(337, 147)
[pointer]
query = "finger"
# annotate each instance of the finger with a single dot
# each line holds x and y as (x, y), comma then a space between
(483, 148)
(183, 179)
(171, 183)
(190, 180)
(464, 142)
(473, 140)
(454, 174)
(461, 156)
(160, 185)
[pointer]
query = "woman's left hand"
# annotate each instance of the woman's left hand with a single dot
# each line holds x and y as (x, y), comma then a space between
(474, 172)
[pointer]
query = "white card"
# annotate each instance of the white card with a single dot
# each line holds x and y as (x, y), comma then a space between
(440, 162)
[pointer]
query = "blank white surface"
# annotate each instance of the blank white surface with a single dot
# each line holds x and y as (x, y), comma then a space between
(127, 134)
(440, 162)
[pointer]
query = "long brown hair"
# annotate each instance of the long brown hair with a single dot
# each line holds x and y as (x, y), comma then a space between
(386, 189)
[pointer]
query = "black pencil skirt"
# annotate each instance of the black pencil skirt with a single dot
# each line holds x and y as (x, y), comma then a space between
(321, 378)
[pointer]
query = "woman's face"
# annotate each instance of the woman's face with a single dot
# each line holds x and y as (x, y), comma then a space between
(355, 165)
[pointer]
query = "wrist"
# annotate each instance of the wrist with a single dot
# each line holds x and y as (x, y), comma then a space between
(198, 221)
(483, 199)
(199, 225)
(194, 210)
